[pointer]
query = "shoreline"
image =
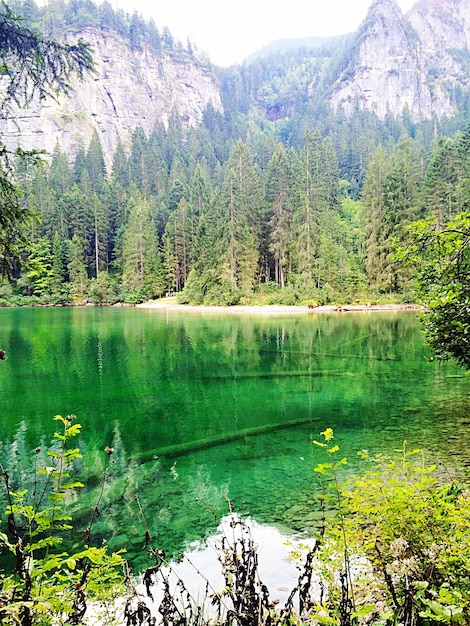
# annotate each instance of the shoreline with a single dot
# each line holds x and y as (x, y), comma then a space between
(169, 304)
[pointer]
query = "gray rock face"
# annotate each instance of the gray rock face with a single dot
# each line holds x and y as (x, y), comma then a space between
(407, 62)
(129, 89)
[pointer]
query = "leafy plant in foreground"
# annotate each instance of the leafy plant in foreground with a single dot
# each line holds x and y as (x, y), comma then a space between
(41, 581)
(407, 536)
(440, 257)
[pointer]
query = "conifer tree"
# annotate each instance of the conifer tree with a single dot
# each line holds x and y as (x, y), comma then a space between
(77, 270)
(32, 66)
(205, 232)
(279, 192)
(60, 173)
(403, 204)
(139, 160)
(94, 164)
(377, 253)
(441, 197)
(241, 226)
(77, 213)
(141, 263)
(391, 200)
(39, 268)
(177, 246)
(100, 233)
(41, 199)
(316, 187)
(59, 262)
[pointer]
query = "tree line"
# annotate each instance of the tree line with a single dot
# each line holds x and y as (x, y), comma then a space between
(269, 220)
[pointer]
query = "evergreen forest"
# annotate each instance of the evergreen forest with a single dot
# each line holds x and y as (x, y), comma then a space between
(278, 200)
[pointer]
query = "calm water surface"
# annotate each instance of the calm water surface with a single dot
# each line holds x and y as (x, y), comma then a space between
(204, 409)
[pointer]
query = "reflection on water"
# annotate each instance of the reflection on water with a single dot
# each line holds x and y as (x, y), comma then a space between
(202, 572)
(205, 409)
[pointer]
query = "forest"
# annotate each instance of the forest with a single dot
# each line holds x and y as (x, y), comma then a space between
(277, 200)
(269, 222)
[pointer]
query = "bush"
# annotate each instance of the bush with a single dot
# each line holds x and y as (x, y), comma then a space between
(43, 582)
(401, 542)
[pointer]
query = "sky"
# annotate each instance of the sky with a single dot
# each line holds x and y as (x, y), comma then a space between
(229, 31)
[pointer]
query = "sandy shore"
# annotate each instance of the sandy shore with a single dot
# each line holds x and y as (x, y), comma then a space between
(170, 304)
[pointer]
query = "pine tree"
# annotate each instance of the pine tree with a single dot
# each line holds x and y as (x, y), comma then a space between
(440, 182)
(34, 65)
(403, 202)
(374, 209)
(391, 200)
(60, 173)
(140, 160)
(94, 164)
(39, 268)
(205, 232)
(141, 265)
(279, 192)
(316, 186)
(76, 211)
(41, 199)
(177, 246)
(59, 262)
(100, 234)
(77, 270)
(242, 200)
(200, 214)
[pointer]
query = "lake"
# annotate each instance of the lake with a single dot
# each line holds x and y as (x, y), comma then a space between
(208, 411)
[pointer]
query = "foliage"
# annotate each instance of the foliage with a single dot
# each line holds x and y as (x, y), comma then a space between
(266, 214)
(34, 65)
(399, 544)
(393, 549)
(440, 257)
(276, 189)
(60, 16)
(42, 582)
(31, 65)
(391, 200)
(14, 216)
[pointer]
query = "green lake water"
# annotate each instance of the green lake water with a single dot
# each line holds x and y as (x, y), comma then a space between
(204, 409)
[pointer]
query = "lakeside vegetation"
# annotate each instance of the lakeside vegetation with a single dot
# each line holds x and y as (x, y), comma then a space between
(392, 547)
(286, 232)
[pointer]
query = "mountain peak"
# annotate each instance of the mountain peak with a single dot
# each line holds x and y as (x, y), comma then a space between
(387, 5)
(387, 71)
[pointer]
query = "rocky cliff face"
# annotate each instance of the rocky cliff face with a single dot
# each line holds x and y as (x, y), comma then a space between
(444, 32)
(408, 62)
(129, 89)
(395, 63)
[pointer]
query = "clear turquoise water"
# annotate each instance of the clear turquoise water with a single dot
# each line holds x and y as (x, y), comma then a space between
(204, 409)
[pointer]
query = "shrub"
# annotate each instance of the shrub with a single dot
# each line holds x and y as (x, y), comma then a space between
(42, 582)
(401, 542)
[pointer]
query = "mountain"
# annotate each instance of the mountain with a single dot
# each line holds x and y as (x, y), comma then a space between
(416, 65)
(283, 46)
(131, 87)
(411, 63)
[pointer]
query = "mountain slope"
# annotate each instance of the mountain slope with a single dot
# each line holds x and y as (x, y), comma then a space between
(418, 64)
(390, 69)
(130, 88)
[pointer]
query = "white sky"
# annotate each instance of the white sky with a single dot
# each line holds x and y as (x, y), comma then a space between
(230, 30)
